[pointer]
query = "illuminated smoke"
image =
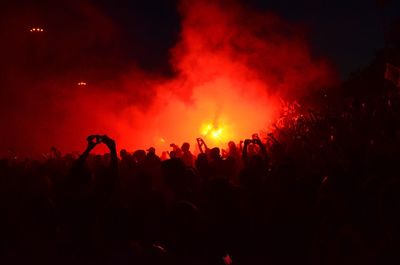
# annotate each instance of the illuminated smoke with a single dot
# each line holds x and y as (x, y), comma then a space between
(232, 66)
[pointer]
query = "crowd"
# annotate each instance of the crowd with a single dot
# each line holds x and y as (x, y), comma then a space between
(322, 188)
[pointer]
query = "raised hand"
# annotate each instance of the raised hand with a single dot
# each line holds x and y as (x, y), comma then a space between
(109, 142)
(247, 141)
(92, 141)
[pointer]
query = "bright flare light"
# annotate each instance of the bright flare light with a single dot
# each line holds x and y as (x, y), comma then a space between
(206, 128)
(82, 83)
(215, 132)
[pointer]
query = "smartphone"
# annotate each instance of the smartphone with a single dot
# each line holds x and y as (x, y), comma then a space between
(99, 139)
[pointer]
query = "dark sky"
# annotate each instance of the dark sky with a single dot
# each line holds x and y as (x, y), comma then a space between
(347, 32)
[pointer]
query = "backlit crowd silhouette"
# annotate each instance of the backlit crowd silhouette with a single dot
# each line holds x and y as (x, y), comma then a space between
(323, 188)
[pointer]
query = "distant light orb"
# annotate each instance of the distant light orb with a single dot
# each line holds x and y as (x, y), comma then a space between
(82, 83)
(36, 30)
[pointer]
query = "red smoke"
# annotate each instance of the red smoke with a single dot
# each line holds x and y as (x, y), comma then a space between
(232, 68)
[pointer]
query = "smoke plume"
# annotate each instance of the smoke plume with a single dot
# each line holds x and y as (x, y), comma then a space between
(230, 68)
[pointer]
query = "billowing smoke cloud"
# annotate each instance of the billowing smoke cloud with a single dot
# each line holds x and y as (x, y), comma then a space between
(231, 68)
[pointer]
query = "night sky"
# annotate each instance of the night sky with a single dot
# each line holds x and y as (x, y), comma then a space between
(348, 33)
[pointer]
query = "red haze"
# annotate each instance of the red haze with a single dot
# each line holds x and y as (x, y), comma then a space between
(232, 68)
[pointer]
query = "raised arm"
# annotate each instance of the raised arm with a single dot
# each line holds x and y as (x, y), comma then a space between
(201, 144)
(110, 143)
(105, 184)
(92, 141)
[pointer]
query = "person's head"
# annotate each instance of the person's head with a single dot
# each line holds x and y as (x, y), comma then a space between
(97, 161)
(185, 147)
(172, 154)
(151, 151)
(214, 154)
(139, 156)
(232, 147)
(123, 153)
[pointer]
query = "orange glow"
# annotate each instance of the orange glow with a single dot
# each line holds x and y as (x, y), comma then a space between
(231, 69)
(229, 82)
(206, 128)
(214, 133)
